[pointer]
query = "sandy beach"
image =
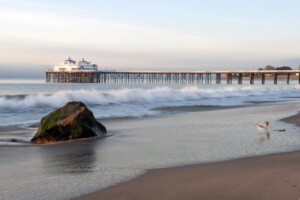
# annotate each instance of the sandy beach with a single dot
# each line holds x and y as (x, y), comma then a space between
(149, 100)
(263, 177)
(142, 157)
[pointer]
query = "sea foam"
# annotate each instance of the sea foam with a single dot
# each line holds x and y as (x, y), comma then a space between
(156, 97)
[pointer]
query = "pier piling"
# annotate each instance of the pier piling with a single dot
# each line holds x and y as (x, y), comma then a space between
(240, 78)
(218, 78)
(263, 78)
(229, 78)
(275, 78)
(251, 78)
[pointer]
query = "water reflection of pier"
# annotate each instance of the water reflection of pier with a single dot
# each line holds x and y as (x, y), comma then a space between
(181, 77)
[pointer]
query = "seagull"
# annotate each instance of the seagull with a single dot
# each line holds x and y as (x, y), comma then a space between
(266, 123)
(261, 127)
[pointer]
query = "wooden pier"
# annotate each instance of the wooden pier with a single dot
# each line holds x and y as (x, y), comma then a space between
(179, 77)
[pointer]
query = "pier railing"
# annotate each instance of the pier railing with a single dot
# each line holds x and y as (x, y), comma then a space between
(182, 77)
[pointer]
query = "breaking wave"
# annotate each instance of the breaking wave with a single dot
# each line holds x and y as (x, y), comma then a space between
(160, 96)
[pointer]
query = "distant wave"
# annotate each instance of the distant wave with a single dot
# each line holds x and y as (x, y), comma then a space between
(157, 96)
(14, 142)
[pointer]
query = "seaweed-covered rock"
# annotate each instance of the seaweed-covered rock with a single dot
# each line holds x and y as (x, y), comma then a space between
(73, 121)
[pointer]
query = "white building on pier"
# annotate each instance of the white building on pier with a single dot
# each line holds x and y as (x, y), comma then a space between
(71, 65)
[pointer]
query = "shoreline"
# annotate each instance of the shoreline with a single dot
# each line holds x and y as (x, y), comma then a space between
(174, 110)
(261, 177)
(273, 176)
(295, 119)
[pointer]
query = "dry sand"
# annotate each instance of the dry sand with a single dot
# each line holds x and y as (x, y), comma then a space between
(265, 177)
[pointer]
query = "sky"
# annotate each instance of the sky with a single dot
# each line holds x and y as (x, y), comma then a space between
(148, 35)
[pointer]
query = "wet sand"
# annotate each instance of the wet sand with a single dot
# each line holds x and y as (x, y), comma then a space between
(264, 177)
(293, 119)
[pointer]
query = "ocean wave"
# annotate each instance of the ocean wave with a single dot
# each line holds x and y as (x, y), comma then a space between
(14, 142)
(158, 95)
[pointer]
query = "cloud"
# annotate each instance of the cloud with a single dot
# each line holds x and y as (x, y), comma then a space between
(42, 38)
(43, 31)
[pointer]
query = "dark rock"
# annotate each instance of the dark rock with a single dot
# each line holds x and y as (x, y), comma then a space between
(14, 140)
(73, 121)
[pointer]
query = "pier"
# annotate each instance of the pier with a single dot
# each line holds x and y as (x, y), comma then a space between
(176, 77)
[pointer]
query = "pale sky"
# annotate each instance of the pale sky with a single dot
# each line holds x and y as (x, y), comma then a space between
(153, 34)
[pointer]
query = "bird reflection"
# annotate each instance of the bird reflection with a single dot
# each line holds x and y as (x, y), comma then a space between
(261, 138)
(264, 137)
(264, 129)
(267, 135)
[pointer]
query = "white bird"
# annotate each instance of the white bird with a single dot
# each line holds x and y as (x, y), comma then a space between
(261, 127)
(266, 123)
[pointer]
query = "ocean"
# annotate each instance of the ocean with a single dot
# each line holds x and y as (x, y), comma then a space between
(25, 102)
(149, 126)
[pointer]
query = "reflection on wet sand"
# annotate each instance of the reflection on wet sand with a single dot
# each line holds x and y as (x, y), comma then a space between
(264, 137)
(267, 135)
(264, 129)
(70, 157)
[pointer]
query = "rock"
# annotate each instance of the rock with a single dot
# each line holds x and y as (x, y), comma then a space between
(73, 121)
(13, 140)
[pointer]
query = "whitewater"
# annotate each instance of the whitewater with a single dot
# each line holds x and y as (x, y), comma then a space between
(26, 102)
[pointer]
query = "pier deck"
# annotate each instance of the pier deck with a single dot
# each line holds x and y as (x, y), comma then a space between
(181, 77)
